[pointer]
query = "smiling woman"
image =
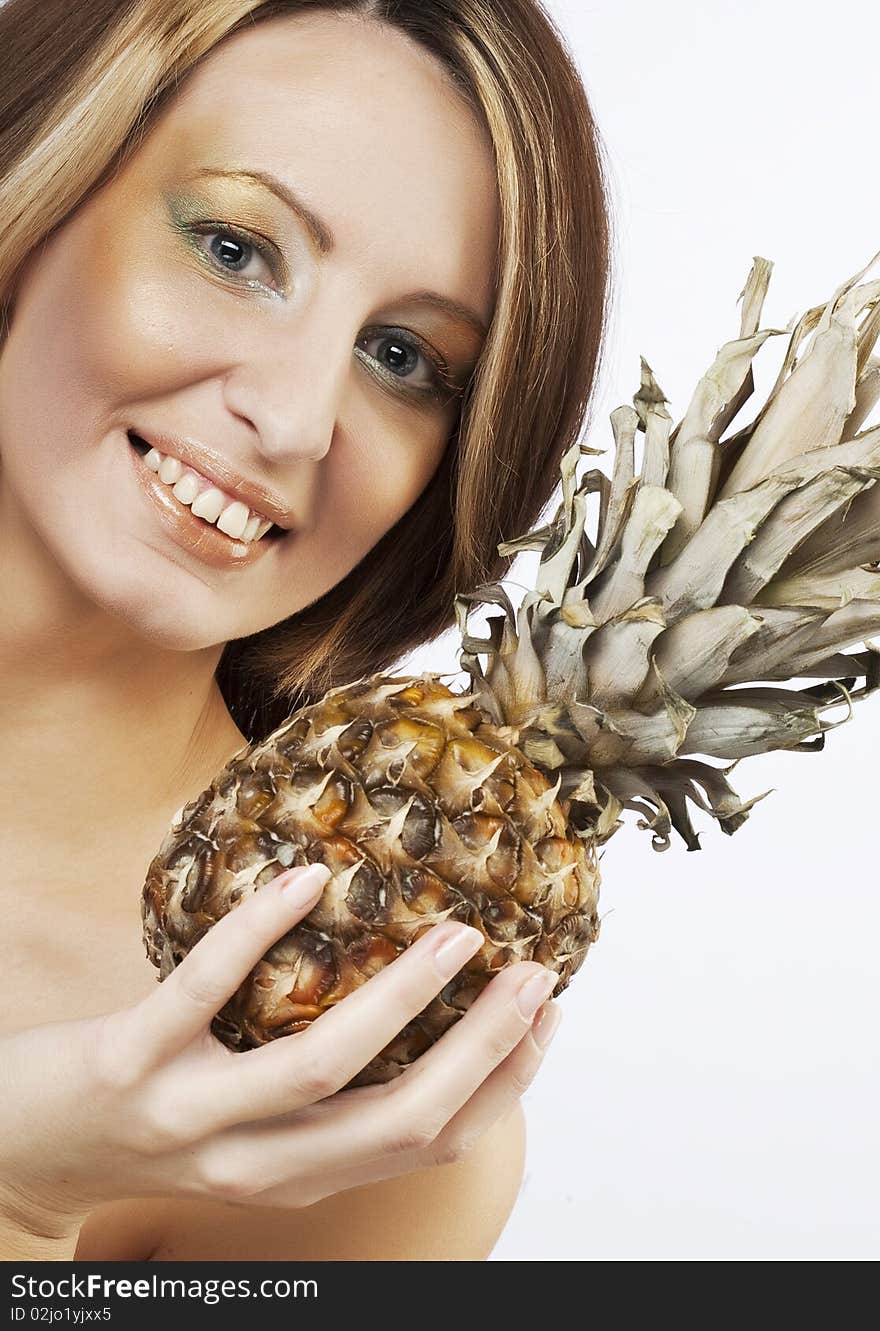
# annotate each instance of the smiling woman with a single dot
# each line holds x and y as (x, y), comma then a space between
(301, 306)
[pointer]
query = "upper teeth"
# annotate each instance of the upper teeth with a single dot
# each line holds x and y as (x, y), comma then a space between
(206, 500)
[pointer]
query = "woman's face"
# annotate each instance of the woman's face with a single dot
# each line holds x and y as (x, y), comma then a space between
(181, 301)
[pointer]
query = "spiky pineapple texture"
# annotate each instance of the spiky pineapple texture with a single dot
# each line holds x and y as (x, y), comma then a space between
(722, 562)
(423, 812)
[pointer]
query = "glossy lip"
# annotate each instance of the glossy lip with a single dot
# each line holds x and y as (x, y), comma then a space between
(192, 534)
(214, 467)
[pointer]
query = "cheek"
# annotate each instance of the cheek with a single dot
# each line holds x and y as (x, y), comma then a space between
(368, 486)
(145, 325)
(95, 330)
(369, 479)
(380, 465)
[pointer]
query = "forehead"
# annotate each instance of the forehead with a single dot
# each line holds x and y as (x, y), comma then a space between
(366, 126)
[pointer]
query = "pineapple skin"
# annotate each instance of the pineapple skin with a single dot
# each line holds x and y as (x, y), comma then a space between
(423, 810)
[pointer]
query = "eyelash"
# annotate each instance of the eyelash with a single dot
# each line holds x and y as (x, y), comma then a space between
(444, 388)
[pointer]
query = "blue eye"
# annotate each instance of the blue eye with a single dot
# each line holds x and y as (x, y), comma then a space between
(404, 347)
(226, 253)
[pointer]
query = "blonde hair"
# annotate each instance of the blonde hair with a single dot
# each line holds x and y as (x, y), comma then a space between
(81, 84)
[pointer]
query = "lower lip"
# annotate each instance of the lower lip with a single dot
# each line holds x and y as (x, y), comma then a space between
(193, 534)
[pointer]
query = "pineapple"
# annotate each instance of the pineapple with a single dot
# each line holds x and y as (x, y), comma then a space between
(721, 562)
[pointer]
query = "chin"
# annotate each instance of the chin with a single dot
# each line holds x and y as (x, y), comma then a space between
(170, 626)
(172, 610)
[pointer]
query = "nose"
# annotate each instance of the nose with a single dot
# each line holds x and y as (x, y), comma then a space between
(290, 384)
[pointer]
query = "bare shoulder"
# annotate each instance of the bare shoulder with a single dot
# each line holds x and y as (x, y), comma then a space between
(453, 1212)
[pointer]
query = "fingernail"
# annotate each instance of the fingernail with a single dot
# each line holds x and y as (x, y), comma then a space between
(545, 1025)
(535, 990)
(305, 884)
(454, 951)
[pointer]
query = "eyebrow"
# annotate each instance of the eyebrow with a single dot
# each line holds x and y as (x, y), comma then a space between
(324, 241)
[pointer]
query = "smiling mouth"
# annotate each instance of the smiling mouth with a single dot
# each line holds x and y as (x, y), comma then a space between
(274, 533)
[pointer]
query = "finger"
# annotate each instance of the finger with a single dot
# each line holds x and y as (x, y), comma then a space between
(183, 1005)
(293, 1071)
(441, 1081)
(364, 1124)
(490, 1103)
(501, 1089)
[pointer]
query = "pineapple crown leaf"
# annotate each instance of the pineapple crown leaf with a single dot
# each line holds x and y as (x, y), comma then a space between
(721, 568)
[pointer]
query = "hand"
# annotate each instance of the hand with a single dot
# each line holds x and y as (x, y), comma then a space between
(146, 1101)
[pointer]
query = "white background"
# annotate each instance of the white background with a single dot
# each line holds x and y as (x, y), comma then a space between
(712, 1092)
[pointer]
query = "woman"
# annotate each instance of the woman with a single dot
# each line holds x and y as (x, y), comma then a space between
(221, 220)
